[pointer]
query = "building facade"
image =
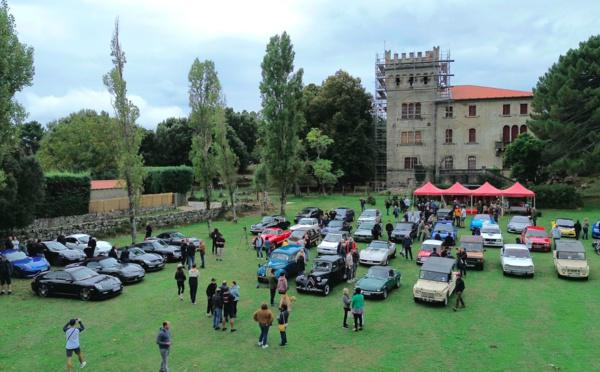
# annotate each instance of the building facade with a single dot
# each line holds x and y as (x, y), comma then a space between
(442, 131)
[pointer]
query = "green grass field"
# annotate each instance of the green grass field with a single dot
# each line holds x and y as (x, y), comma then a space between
(515, 324)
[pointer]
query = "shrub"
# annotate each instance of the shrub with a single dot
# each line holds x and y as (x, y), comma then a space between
(66, 194)
(557, 196)
(168, 179)
(371, 200)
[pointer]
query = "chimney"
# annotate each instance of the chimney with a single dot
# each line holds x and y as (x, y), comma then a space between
(395, 57)
(411, 54)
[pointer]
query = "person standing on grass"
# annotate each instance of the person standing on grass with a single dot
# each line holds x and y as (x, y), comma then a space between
(148, 231)
(213, 237)
(180, 279)
(463, 216)
(300, 262)
(272, 285)
(346, 305)
(202, 250)
(358, 307)
(184, 252)
(163, 339)
(211, 289)
(193, 275)
(362, 204)
(585, 228)
(461, 261)
(577, 229)
(389, 228)
(355, 258)
(258, 245)
(6, 271)
(72, 330)
(282, 321)
(220, 247)
(555, 234)
(267, 247)
(191, 253)
(228, 313)
(282, 284)
(235, 294)
(217, 308)
(407, 245)
(264, 318)
(460, 288)
(388, 204)
(349, 266)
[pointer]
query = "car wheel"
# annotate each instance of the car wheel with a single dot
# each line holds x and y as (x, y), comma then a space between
(326, 290)
(43, 290)
(415, 299)
(85, 294)
(385, 293)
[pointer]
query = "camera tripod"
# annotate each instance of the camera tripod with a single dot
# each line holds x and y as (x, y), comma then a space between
(244, 238)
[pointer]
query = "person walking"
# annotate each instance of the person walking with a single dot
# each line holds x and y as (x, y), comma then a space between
(358, 306)
(407, 245)
(148, 231)
(220, 247)
(211, 289)
(163, 340)
(213, 237)
(193, 275)
(180, 279)
(72, 330)
(282, 284)
(585, 229)
(264, 318)
(267, 247)
(460, 288)
(346, 305)
(217, 309)
(228, 313)
(202, 250)
(388, 204)
(577, 227)
(461, 261)
(389, 228)
(282, 321)
(6, 271)
(258, 245)
(362, 204)
(272, 286)
(463, 216)
(235, 294)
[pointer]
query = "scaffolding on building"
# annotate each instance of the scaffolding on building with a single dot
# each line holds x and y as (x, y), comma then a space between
(380, 107)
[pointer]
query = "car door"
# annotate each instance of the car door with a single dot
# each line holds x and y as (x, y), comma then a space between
(63, 282)
(292, 266)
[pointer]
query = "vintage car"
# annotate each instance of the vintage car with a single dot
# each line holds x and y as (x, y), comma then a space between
(306, 222)
(378, 252)
(478, 220)
(308, 212)
(370, 215)
(76, 281)
(403, 229)
(596, 230)
(149, 261)
(473, 246)
(177, 238)
(426, 248)
(326, 272)
(413, 216)
(171, 253)
(437, 281)
(566, 227)
(444, 229)
(126, 272)
(364, 232)
(24, 266)
(444, 214)
(536, 239)
(518, 223)
(515, 259)
(58, 254)
(269, 222)
(331, 242)
(570, 260)
(335, 226)
(379, 281)
(80, 241)
(297, 236)
(275, 236)
(344, 214)
(491, 234)
(281, 260)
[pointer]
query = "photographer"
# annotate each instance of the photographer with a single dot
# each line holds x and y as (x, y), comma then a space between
(72, 330)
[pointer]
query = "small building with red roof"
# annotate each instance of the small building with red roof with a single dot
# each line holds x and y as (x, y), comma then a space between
(107, 189)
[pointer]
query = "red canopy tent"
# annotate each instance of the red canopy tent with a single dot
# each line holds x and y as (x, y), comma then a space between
(518, 191)
(486, 190)
(428, 189)
(458, 189)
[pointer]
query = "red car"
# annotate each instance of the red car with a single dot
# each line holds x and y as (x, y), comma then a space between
(536, 239)
(275, 236)
(426, 249)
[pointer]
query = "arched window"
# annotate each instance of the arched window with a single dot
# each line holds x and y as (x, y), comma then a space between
(506, 134)
(448, 162)
(404, 111)
(514, 132)
(398, 81)
(472, 135)
(472, 162)
(448, 135)
(417, 110)
(411, 110)
(523, 128)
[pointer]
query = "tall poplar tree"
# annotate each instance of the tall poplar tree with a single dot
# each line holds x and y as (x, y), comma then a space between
(127, 135)
(281, 93)
(226, 161)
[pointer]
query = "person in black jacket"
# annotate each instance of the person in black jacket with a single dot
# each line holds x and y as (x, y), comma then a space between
(148, 230)
(89, 251)
(114, 253)
(389, 228)
(125, 255)
(191, 254)
(5, 274)
(184, 252)
(180, 279)
(213, 237)
(210, 291)
(460, 288)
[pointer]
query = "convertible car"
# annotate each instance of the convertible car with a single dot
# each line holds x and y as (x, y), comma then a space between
(149, 261)
(269, 222)
(275, 236)
(379, 281)
(23, 265)
(378, 252)
(126, 272)
(80, 241)
(176, 238)
(171, 253)
(76, 281)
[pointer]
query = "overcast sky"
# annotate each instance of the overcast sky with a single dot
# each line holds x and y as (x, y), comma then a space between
(506, 44)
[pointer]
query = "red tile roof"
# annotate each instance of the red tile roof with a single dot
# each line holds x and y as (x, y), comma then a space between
(468, 92)
(106, 184)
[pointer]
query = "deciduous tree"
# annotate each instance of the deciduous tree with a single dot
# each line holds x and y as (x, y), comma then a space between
(524, 158)
(226, 161)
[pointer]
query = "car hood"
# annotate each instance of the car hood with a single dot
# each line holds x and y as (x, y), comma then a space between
(275, 264)
(518, 225)
(370, 284)
(99, 278)
(72, 253)
(366, 219)
(148, 257)
(326, 230)
(130, 268)
(474, 254)
(423, 253)
(517, 261)
(32, 262)
(401, 232)
(430, 285)
(362, 232)
(566, 228)
(368, 254)
(536, 240)
(316, 274)
(575, 264)
(491, 236)
(329, 245)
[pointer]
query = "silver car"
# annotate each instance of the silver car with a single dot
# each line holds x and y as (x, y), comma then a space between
(517, 224)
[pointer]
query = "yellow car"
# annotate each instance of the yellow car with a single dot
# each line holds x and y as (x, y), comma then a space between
(566, 227)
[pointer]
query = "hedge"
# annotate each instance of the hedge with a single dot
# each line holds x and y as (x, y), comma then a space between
(66, 194)
(168, 179)
(558, 196)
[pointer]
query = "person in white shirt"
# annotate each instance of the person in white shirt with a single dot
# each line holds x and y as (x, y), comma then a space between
(72, 330)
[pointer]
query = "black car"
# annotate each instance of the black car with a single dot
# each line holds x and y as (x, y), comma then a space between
(76, 281)
(343, 213)
(402, 229)
(301, 233)
(268, 222)
(126, 272)
(327, 271)
(57, 254)
(309, 212)
(149, 261)
(177, 238)
(171, 253)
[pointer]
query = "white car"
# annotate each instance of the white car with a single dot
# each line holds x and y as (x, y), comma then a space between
(516, 260)
(330, 243)
(312, 223)
(80, 241)
(378, 252)
(492, 236)
(370, 215)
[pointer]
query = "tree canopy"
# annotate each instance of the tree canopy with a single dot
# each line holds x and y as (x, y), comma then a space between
(524, 158)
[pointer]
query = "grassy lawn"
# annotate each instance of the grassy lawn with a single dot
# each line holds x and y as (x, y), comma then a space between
(509, 323)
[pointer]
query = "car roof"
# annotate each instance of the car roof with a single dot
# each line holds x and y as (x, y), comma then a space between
(516, 246)
(566, 245)
(540, 228)
(101, 258)
(69, 269)
(471, 239)
(433, 242)
(438, 264)
(78, 235)
(378, 241)
(288, 249)
(328, 258)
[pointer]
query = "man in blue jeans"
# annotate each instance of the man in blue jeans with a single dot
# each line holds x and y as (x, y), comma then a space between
(217, 307)
(164, 345)
(258, 245)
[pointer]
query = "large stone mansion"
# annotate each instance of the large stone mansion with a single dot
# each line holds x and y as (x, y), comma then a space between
(452, 132)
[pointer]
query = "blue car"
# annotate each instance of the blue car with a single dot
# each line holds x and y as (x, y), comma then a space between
(444, 228)
(23, 265)
(596, 230)
(479, 219)
(282, 260)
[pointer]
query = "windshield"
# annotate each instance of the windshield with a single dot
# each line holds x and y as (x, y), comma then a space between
(403, 226)
(445, 227)
(378, 272)
(136, 251)
(55, 246)
(472, 247)
(306, 221)
(335, 223)
(378, 245)
(536, 233)
(278, 256)
(520, 219)
(266, 219)
(109, 262)
(369, 213)
(306, 211)
(83, 273)
(366, 226)
(333, 238)
(565, 223)
(321, 266)
(159, 244)
(178, 235)
(435, 276)
(429, 247)
(15, 256)
(490, 229)
(563, 255)
(517, 253)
